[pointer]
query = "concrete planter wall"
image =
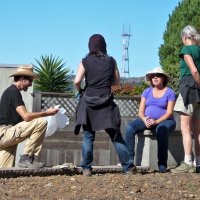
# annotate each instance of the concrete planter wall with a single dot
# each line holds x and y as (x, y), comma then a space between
(65, 147)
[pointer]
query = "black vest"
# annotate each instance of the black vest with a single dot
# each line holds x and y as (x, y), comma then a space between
(99, 75)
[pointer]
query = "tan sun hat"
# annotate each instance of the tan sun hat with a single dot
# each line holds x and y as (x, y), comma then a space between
(156, 70)
(25, 70)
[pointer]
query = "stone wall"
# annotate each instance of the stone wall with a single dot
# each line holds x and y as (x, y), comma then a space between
(65, 147)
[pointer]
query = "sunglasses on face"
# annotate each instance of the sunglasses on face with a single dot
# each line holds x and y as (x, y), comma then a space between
(156, 75)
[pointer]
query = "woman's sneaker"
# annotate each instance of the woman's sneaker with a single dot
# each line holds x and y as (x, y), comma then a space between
(87, 172)
(162, 169)
(184, 168)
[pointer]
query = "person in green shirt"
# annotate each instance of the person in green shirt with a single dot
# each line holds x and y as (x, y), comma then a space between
(188, 101)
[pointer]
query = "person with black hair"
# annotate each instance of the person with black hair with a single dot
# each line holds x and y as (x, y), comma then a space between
(96, 109)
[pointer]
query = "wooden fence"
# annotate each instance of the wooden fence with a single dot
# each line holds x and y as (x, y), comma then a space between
(42, 100)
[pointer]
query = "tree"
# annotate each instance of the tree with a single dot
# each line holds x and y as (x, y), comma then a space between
(129, 89)
(53, 76)
(186, 13)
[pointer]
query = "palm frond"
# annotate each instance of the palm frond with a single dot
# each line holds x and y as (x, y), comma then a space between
(52, 73)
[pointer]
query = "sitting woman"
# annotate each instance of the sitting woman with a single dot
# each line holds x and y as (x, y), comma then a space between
(155, 113)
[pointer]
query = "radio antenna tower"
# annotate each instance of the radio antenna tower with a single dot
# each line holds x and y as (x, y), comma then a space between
(125, 54)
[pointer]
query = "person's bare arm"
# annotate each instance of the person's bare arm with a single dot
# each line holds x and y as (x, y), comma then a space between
(141, 112)
(142, 109)
(28, 116)
(79, 76)
(116, 76)
(190, 63)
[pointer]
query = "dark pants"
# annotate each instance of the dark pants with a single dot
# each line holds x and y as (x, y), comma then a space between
(118, 142)
(161, 132)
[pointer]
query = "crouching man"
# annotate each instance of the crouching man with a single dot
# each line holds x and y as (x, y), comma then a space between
(17, 124)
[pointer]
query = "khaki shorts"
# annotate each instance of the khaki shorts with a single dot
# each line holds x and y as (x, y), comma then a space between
(192, 109)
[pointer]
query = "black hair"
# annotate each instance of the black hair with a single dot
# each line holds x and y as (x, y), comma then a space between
(16, 78)
(100, 54)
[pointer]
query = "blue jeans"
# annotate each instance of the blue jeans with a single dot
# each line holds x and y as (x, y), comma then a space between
(119, 144)
(161, 132)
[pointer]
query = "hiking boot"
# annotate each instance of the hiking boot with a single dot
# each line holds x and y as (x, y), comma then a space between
(132, 170)
(162, 169)
(184, 168)
(87, 172)
(27, 161)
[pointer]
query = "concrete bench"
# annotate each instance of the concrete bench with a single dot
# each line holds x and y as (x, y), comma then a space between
(146, 149)
(64, 147)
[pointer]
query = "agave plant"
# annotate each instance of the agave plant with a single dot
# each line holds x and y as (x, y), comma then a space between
(53, 75)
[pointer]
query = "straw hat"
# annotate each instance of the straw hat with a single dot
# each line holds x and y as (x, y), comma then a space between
(25, 70)
(156, 70)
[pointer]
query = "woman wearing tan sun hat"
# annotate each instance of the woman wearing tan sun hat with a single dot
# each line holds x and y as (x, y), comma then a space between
(18, 124)
(155, 113)
(157, 70)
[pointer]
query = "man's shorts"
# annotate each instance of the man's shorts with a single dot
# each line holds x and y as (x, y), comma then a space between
(191, 110)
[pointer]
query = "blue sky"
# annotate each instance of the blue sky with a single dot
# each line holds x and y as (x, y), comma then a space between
(31, 28)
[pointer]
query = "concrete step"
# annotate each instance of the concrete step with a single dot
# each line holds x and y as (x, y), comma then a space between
(68, 135)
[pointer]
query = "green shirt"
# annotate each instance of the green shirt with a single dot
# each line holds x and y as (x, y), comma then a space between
(194, 52)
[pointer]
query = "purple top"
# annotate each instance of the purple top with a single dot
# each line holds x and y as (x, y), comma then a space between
(157, 107)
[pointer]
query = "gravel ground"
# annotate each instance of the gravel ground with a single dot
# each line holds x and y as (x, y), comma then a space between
(102, 186)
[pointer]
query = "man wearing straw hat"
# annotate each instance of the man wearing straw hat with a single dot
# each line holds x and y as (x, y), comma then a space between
(17, 124)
